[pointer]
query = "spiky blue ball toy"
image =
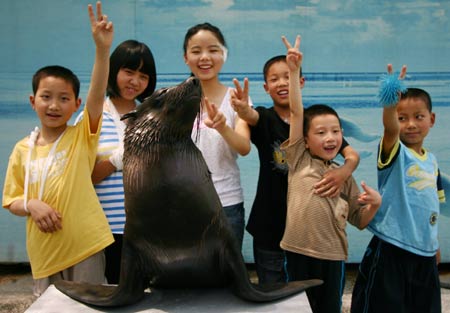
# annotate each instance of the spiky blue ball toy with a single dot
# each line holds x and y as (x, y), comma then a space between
(390, 88)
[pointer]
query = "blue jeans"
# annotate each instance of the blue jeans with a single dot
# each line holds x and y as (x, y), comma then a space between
(270, 265)
(235, 216)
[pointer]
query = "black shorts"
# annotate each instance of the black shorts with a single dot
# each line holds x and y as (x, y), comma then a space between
(326, 298)
(391, 279)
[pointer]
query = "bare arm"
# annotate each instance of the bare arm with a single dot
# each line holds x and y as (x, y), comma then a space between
(18, 208)
(391, 130)
(243, 130)
(390, 122)
(294, 60)
(102, 32)
(102, 170)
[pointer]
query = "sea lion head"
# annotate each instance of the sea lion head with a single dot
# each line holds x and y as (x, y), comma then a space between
(166, 116)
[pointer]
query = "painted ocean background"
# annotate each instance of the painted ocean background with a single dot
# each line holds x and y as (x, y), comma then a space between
(353, 95)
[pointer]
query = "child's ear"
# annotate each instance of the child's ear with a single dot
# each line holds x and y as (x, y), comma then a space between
(32, 101)
(306, 142)
(266, 88)
(77, 104)
(432, 119)
(302, 82)
(185, 59)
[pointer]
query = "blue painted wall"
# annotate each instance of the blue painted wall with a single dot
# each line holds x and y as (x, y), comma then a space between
(358, 37)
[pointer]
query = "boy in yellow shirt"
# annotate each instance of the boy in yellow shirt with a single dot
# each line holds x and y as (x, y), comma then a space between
(48, 179)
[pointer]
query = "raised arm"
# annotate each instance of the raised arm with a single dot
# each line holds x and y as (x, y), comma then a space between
(102, 32)
(294, 60)
(390, 121)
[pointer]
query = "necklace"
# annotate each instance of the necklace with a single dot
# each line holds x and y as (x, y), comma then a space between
(48, 162)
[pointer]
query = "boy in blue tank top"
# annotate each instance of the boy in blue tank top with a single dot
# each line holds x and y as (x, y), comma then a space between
(399, 272)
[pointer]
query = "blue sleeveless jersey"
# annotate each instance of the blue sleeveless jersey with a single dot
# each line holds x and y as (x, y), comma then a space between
(409, 184)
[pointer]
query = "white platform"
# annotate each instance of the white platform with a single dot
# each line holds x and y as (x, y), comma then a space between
(174, 301)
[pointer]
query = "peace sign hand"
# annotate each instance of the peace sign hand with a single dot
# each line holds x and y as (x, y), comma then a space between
(216, 119)
(102, 30)
(239, 97)
(402, 74)
(294, 57)
(391, 87)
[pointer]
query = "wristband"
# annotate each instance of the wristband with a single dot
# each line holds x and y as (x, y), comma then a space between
(116, 159)
(25, 206)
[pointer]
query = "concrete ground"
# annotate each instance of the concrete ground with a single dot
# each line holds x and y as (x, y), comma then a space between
(16, 287)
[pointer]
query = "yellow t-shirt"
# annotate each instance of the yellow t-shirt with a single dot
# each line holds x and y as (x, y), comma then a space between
(68, 189)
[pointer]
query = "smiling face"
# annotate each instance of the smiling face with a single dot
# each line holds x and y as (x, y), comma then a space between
(54, 102)
(131, 83)
(204, 55)
(324, 136)
(415, 122)
(277, 83)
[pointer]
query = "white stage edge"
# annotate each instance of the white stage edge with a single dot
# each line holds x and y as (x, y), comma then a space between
(174, 301)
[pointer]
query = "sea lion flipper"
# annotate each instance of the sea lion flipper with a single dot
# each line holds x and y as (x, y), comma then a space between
(445, 285)
(130, 289)
(98, 295)
(266, 293)
(131, 114)
(294, 286)
(244, 289)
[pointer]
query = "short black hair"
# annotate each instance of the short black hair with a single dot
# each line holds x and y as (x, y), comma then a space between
(419, 94)
(316, 110)
(59, 72)
(275, 59)
(133, 55)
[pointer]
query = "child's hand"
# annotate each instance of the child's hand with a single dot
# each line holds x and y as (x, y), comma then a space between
(402, 74)
(46, 218)
(332, 182)
(102, 30)
(215, 119)
(369, 196)
(372, 201)
(391, 87)
(239, 97)
(116, 158)
(294, 57)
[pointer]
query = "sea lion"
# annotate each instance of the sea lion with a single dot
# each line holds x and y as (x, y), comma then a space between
(176, 233)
